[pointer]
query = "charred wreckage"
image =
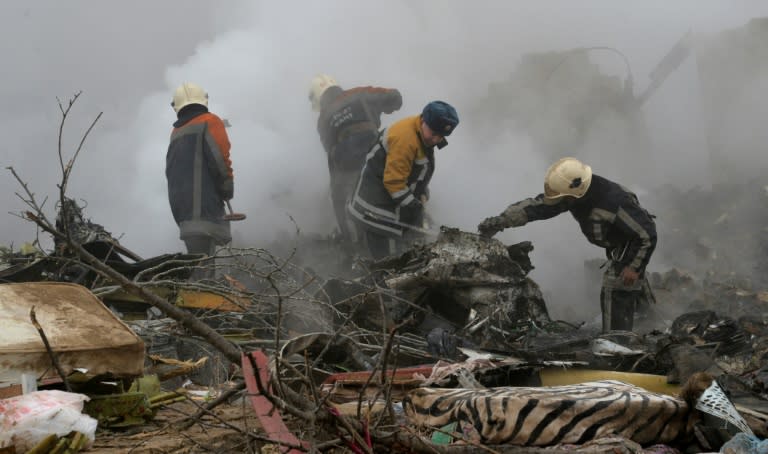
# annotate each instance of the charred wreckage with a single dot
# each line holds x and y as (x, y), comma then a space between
(450, 342)
(448, 347)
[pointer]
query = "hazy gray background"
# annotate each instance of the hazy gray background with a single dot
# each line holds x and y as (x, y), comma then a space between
(256, 60)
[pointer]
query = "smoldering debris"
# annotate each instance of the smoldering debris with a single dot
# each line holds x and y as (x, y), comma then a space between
(459, 311)
(327, 345)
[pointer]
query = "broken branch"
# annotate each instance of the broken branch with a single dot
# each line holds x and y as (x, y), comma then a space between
(51, 353)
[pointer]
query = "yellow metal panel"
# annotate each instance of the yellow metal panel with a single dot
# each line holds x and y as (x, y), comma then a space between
(191, 299)
(561, 376)
(205, 300)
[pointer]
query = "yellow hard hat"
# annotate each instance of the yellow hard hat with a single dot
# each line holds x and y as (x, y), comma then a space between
(320, 83)
(188, 93)
(567, 177)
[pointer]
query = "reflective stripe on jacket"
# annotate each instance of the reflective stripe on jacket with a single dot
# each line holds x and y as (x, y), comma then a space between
(199, 174)
(397, 170)
(344, 113)
(349, 123)
(609, 216)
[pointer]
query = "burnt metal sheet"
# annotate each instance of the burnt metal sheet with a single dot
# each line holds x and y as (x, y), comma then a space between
(81, 330)
(270, 418)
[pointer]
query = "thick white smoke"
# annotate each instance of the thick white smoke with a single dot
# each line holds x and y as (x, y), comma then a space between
(256, 60)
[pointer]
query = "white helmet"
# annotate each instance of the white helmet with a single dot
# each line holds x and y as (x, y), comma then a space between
(567, 177)
(320, 83)
(188, 93)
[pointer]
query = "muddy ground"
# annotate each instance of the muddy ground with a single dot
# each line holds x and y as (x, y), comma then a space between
(218, 433)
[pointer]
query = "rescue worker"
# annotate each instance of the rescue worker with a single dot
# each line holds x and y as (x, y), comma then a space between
(348, 124)
(199, 172)
(611, 217)
(394, 182)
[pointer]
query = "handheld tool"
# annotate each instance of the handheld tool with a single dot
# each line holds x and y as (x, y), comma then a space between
(233, 216)
(415, 228)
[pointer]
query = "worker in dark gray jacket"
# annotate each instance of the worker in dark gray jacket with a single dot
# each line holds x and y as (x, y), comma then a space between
(348, 124)
(611, 217)
(199, 172)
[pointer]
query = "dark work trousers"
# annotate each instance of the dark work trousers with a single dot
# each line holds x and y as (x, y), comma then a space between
(618, 308)
(380, 246)
(619, 302)
(345, 161)
(343, 185)
(202, 244)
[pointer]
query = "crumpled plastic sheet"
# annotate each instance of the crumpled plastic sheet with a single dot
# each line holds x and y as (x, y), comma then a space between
(27, 419)
(742, 443)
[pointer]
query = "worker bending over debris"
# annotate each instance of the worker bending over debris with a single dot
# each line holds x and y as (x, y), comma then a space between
(348, 124)
(611, 217)
(393, 187)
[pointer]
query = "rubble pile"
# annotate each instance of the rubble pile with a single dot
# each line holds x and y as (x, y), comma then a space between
(717, 234)
(458, 316)
(459, 286)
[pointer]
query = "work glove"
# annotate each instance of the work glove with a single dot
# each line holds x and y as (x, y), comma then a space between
(422, 194)
(491, 226)
(629, 276)
(514, 216)
(227, 189)
(412, 213)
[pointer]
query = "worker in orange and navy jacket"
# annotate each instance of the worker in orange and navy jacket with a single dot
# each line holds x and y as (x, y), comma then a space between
(199, 172)
(348, 124)
(394, 182)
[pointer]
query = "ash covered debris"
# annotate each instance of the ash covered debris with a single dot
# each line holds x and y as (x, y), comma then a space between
(31, 263)
(466, 291)
(464, 285)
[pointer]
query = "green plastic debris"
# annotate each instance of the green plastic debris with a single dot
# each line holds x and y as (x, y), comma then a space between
(148, 384)
(442, 436)
(120, 410)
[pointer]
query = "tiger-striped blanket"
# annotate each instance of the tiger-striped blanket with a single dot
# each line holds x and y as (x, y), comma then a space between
(546, 416)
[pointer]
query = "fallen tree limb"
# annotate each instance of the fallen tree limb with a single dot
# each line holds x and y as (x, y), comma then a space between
(51, 353)
(189, 321)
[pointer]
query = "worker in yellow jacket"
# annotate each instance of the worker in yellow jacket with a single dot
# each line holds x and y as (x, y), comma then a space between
(394, 182)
